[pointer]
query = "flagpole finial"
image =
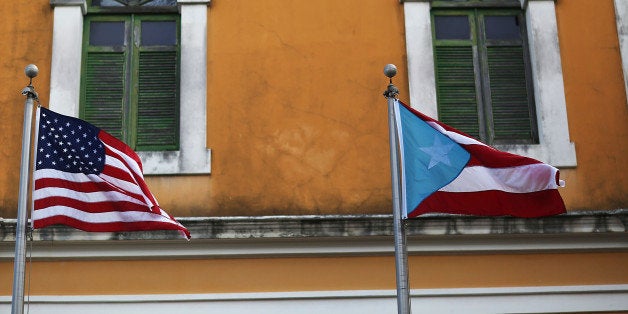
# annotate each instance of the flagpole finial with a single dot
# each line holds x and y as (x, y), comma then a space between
(390, 70)
(31, 71)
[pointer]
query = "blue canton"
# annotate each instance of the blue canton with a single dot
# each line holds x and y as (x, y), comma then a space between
(68, 144)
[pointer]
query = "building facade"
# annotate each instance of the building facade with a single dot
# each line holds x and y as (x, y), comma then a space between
(262, 128)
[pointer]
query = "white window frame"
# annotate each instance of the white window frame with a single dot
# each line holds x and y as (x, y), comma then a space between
(67, 37)
(621, 14)
(554, 146)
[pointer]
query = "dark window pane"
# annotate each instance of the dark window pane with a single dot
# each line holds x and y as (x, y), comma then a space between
(452, 27)
(106, 3)
(162, 3)
(120, 3)
(106, 34)
(502, 27)
(159, 33)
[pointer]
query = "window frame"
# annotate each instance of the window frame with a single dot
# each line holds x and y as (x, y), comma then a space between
(193, 156)
(480, 45)
(131, 93)
(621, 13)
(554, 146)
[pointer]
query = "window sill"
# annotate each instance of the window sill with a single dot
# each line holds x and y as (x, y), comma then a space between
(175, 162)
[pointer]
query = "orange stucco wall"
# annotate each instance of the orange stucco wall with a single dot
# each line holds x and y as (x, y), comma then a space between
(296, 120)
(26, 28)
(317, 273)
(596, 104)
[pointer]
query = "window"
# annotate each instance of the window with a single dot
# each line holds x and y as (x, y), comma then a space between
(545, 84)
(130, 78)
(130, 81)
(192, 155)
(483, 83)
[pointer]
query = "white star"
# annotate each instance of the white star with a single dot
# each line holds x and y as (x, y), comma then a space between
(438, 152)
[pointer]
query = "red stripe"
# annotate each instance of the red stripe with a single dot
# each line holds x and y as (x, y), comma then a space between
(109, 226)
(492, 158)
(84, 187)
(89, 207)
(493, 203)
(118, 173)
(129, 175)
(482, 155)
(120, 146)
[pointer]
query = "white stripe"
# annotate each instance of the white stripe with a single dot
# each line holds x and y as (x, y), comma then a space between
(67, 176)
(80, 178)
(458, 138)
(91, 197)
(521, 179)
(129, 216)
(132, 167)
(121, 184)
(132, 164)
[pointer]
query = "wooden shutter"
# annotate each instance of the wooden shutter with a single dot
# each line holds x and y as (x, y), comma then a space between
(104, 85)
(456, 88)
(510, 99)
(157, 111)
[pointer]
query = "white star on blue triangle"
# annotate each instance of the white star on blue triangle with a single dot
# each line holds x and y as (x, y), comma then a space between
(429, 159)
(438, 152)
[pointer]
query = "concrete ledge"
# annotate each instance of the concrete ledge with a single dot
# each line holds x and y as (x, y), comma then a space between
(356, 235)
(315, 226)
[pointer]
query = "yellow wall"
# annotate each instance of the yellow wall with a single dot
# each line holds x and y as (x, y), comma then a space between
(596, 105)
(26, 38)
(296, 120)
(317, 273)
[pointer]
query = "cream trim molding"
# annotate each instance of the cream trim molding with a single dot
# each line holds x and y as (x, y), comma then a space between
(542, 299)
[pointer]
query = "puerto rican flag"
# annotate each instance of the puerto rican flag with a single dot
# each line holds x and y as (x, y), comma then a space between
(87, 179)
(445, 171)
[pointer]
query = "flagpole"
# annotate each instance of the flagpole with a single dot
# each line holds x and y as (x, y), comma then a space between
(19, 263)
(401, 253)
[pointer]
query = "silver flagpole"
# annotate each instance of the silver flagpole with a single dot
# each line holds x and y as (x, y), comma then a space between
(401, 253)
(19, 263)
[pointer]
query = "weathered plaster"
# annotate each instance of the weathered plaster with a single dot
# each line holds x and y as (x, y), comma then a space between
(193, 157)
(555, 147)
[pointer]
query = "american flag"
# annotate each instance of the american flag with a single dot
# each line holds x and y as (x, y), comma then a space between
(446, 171)
(87, 179)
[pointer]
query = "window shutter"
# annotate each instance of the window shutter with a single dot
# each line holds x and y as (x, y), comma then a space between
(510, 100)
(456, 88)
(157, 113)
(104, 91)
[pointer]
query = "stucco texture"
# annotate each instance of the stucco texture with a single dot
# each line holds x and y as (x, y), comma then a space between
(596, 105)
(26, 38)
(297, 123)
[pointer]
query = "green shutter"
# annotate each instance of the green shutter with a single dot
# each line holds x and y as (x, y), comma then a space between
(157, 114)
(510, 102)
(104, 91)
(456, 88)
